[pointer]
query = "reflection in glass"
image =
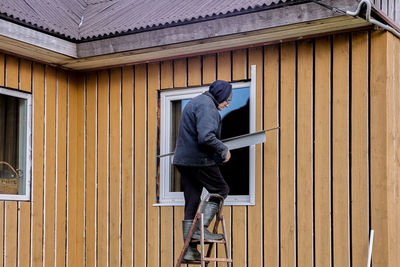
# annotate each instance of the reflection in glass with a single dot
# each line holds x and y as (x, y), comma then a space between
(13, 114)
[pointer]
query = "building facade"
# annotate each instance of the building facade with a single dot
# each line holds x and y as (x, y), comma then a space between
(321, 182)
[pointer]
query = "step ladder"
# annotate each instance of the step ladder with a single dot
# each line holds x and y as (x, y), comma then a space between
(206, 258)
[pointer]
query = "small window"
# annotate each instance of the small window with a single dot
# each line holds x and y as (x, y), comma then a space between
(237, 119)
(15, 144)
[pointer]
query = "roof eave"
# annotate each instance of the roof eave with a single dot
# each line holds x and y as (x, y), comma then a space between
(285, 23)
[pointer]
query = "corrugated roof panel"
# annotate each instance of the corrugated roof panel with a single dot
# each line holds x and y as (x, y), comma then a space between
(105, 17)
(56, 16)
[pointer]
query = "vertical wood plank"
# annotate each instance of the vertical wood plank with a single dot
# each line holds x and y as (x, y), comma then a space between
(255, 212)
(166, 74)
(397, 142)
(179, 213)
(140, 167)
(76, 172)
(239, 239)
(38, 153)
(91, 137)
(12, 72)
(25, 75)
(62, 102)
(239, 64)
(80, 170)
(153, 220)
(359, 149)
(127, 166)
(2, 69)
(11, 234)
(180, 75)
(72, 172)
(50, 150)
(271, 105)
(24, 234)
(340, 150)
(378, 149)
(209, 71)
(24, 207)
(220, 253)
(115, 110)
(166, 241)
(392, 179)
(287, 157)
(390, 156)
(224, 64)
(322, 148)
(180, 72)
(391, 9)
(384, 6)
(194, 71)
(305, 154)
(102, 168)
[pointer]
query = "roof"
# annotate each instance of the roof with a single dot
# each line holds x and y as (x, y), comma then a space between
(88, 19)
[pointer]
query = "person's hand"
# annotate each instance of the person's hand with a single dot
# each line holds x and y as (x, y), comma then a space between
(228, 156)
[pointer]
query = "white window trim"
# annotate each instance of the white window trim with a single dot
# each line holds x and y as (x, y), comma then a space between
(176, 198)
(28, 152)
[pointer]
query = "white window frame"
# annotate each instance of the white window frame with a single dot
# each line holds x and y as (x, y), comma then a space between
(28, 152)
(168, 198)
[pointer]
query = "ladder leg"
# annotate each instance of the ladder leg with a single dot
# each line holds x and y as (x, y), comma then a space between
(215, 231)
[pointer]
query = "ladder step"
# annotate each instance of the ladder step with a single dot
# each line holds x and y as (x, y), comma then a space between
(207, 260)
(218, 259)
(209, 241)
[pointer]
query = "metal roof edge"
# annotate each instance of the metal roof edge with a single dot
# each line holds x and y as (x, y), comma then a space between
(200, 19)
(268, 26)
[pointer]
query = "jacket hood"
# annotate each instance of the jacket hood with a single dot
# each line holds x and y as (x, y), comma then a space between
(221, 90)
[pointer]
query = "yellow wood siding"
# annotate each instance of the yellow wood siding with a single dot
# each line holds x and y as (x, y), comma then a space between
(323, 180)
(359, 149)
(305, 153)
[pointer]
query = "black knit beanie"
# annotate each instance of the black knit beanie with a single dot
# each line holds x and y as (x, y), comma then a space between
(221, 90)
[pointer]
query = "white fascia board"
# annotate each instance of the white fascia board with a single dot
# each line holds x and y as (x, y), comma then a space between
(37, 38)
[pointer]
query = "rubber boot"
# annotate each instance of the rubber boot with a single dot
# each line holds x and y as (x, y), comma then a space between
(209, 210)
(192, 254)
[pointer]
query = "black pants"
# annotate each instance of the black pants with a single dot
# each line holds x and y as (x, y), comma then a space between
(193, 181)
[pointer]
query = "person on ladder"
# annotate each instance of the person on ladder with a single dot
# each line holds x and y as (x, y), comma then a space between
(198, 153)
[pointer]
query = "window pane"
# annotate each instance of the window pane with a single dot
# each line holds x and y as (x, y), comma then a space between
(12, 144)
(176, 108)
(235, 121)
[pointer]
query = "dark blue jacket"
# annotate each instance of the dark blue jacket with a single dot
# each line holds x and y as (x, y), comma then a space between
(199, 131)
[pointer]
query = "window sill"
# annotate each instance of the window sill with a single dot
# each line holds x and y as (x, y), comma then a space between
(227, 202)
(14, 197)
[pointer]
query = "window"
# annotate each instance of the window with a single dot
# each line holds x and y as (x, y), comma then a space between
(237, 119)
(15, 145)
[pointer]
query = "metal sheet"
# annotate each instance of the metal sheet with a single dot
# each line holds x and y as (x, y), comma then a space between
(245, 140)
(239, 141)
(81, 19)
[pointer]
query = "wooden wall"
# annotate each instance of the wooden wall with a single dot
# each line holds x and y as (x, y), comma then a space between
(390, 7)
(322, 182)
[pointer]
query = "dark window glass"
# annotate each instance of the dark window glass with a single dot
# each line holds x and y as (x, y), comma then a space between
(12, 144)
